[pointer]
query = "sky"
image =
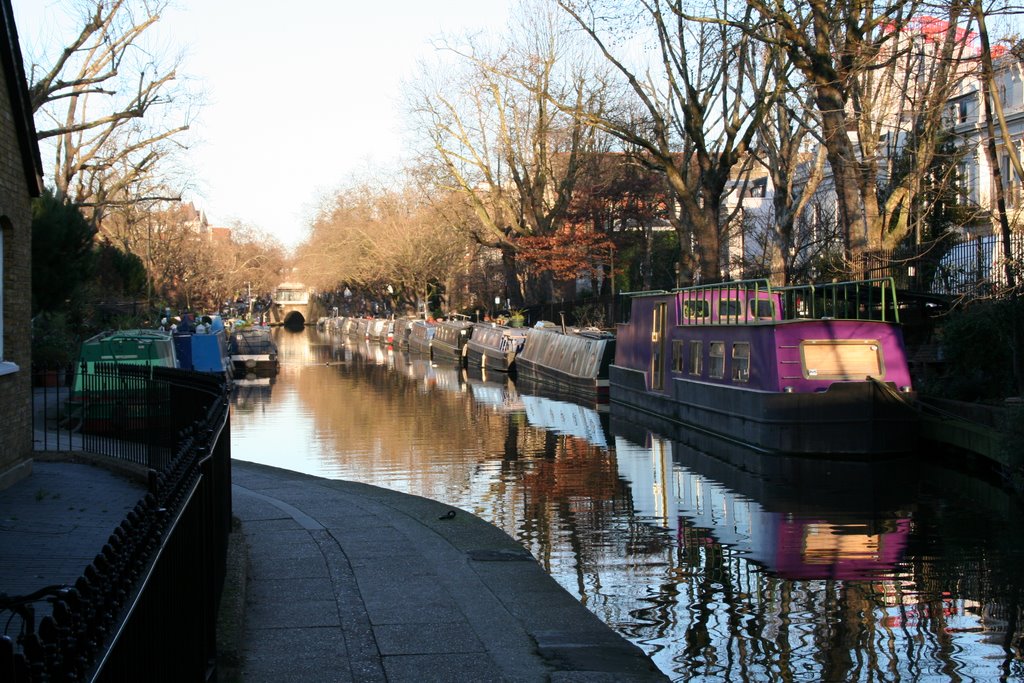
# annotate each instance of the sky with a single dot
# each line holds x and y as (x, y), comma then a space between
(301, 95)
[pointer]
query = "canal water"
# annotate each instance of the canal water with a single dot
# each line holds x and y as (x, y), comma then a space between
(721, 564)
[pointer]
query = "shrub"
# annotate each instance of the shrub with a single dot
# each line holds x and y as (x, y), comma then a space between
(978, 346)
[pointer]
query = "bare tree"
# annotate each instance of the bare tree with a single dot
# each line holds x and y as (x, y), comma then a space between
(879, 71)
(497, 141)
(111, 109)
(247, 260)
(694, 108)
(783, 148)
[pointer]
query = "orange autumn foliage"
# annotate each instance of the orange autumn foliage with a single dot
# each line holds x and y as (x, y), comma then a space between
(566, 255)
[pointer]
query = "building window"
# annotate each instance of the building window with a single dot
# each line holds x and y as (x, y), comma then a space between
(716, 360)
(741, 362)
(696, 357)
(1010, 181)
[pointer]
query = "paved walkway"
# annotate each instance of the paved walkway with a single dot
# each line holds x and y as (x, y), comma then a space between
(55, 521)
(349, 582)
(346, 582)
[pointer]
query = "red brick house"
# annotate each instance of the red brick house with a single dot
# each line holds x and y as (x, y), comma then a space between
(20, 181)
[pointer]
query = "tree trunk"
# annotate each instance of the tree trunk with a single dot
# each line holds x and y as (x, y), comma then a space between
(845, 174)
(513, 290)
(648, 248)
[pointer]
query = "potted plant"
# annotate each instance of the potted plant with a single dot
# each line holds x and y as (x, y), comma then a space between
(517, 317)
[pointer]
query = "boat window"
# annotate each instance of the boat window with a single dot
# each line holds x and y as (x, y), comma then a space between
(678, 354)
(694, 309)
(848, 359)
(741, 362)
(696, 357)
(716, 359)
(761, 309)
(729, 308)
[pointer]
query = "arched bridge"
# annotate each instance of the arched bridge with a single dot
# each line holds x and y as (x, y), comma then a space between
(290, 306)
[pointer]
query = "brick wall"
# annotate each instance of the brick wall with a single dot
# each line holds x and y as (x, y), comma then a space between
(15, 221)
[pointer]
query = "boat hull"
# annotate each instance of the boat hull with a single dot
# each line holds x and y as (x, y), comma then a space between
(576, 364)
(858, 419)
(255, 363)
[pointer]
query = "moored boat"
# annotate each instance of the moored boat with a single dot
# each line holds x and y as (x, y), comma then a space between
(202, 346)
(253, 351)
(494, 346)
(347, 328)
(152, 348)
(808, 369)
(379, 330)
(449, 342)
(100, 401)
(421, 335)
(573, 361)
(361, 329)
(402, 328)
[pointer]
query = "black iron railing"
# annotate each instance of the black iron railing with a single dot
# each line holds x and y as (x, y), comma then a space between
(145, 608)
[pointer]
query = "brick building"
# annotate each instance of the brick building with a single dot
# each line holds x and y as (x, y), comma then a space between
(20, 181)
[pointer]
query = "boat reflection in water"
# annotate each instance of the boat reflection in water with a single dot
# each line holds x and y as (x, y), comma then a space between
(493, 389)
(430, 375)
(567, 417)
(252, 392)
(798, 518)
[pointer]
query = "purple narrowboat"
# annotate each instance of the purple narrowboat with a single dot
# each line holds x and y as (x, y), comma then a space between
(809, 369)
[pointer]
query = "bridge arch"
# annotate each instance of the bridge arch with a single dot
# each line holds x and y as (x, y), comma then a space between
(290, 306)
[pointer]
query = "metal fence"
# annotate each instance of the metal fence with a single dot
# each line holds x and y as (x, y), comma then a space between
(950, 267)
(973, 266)
(145, 608)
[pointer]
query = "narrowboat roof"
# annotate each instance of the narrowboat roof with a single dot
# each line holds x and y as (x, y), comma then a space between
(871, 299)
(156, 335)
